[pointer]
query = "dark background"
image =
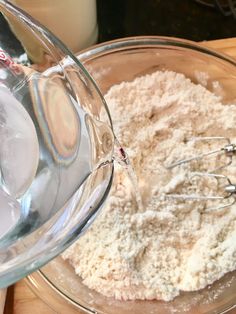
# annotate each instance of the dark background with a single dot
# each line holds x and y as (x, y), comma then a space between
(179, 18)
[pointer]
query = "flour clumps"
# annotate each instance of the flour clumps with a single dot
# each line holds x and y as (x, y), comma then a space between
(171, 245)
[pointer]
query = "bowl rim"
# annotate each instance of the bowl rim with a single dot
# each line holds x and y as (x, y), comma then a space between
(148, 41)
(38, 283)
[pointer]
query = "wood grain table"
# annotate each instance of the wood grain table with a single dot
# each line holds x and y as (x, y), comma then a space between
(20, 299)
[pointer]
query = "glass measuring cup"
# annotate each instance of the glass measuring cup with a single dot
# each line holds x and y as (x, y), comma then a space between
(56, 133)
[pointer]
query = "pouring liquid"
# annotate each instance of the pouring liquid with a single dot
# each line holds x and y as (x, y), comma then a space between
(122, 158)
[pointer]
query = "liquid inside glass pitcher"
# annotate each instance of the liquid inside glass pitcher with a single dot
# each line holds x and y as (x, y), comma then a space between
(57, 147)
(50, 145)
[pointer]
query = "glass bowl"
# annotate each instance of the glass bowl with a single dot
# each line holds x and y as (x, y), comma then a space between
(52, 117)
(111, 63)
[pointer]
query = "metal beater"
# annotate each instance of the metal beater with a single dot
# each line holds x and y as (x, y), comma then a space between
(228, 190)
(229, 150)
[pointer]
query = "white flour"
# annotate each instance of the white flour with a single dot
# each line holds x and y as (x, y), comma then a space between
(172, 245)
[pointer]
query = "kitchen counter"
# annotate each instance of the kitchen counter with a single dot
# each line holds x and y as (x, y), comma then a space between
(20, 299)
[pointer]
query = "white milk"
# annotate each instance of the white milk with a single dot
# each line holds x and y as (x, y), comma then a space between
(73, 21)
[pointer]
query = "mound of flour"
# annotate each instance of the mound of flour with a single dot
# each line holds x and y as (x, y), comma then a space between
(171, 245)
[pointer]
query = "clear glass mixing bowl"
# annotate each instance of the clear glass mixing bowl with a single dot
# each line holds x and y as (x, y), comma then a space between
(109, 64)
(55, 131)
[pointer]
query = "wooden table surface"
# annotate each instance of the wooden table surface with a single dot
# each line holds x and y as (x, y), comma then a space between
(20, 299)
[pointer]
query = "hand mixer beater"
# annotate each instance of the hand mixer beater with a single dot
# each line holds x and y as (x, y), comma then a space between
(229, 150)
(228, 190)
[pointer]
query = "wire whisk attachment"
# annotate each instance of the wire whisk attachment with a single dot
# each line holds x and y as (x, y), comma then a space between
(228, 192)
(229, 150)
